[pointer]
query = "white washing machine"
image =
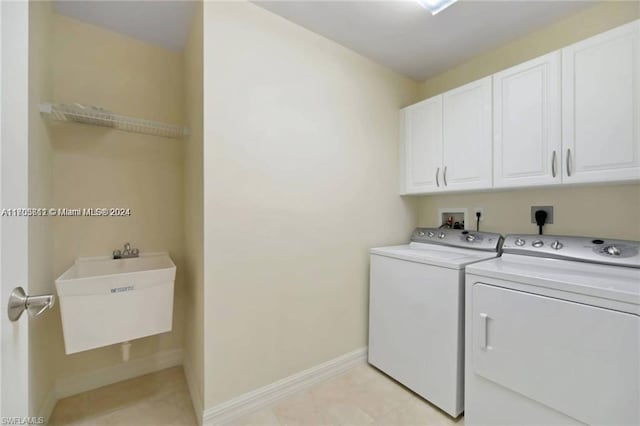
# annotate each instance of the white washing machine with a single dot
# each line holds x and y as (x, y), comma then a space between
(416, 310)
(553, 333)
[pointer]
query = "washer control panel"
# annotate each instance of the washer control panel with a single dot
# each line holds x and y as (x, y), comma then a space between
(486, 241)
(583, 249)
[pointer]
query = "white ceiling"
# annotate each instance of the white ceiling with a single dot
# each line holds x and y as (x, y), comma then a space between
(405, 37)
(400, 34)
(163, 23)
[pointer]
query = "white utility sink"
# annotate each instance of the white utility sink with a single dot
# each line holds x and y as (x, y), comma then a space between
(105, 301)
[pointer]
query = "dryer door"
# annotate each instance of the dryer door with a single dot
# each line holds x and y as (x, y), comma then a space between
(580, 360)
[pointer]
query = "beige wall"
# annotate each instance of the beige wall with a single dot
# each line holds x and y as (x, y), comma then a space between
(607, 211)
(42, 332)
(300, 180)
(603, 211)
(97, 167)
(193, 213)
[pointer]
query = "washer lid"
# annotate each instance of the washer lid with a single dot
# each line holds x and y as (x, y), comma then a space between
(437, 255)
(605, 282)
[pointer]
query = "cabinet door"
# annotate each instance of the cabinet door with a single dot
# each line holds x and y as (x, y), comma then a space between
(422, 141)
(527, 123)
(601, 107)
(467, 150)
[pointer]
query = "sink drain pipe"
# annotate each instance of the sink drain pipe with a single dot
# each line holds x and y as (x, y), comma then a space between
(125, 348)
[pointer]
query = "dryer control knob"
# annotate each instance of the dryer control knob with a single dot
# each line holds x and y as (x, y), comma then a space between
(431, 234)
(520, 242)
(537, 243)
(442, 235)
(471, 238)
(421, 233)
(612, 250)
(556, 245)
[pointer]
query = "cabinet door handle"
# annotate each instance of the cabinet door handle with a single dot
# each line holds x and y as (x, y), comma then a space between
(553, 164)
(437, 177)
(569, 162)
(484, 319)
(444, 175)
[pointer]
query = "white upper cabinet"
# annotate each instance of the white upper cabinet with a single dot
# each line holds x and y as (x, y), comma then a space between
(446, 143)
(467, 153)
(422, 158)
(568, 117)
(601, 107)
(527, 123)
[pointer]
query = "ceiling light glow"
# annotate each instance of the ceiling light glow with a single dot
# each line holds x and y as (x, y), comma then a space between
(436, 6)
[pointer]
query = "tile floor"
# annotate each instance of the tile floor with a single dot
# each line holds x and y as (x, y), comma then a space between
(361, 396)
(160, 398)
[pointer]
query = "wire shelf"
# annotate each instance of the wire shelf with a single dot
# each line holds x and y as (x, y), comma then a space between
(95, 116)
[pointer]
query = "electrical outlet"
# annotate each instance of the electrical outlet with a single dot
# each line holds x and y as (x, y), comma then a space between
(476, 210)
(548, 209)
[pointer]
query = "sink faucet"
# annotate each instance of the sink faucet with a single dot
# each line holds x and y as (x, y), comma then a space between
(127, 253)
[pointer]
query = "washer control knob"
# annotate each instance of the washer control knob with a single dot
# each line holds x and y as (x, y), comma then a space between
(421, 233)
(442, 235)
(431, 234)
(556, 245)
(612, 250)
(520, 242)
(471, 238)
(537, 243)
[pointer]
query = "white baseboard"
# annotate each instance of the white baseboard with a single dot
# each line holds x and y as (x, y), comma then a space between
(268, 395)
(194, 392)
(73, 385)
(48, 405)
